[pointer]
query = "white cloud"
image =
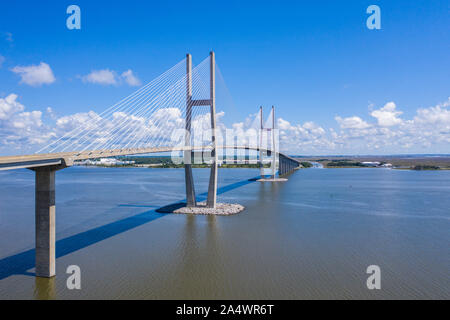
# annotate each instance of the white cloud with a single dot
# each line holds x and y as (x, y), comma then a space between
(27, 120)
(283, 124)
(77, 120)
(352, 123)
(35, 75)
(428, 131)
(387, 116)
(103, 77)
(439, 114)
(19, 129)
(300, 138)
(111, 77)
(130, 78)
(9, 106)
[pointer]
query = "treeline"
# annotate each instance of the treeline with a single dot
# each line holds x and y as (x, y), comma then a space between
(341, 163)
(306, 164)
(425, 167)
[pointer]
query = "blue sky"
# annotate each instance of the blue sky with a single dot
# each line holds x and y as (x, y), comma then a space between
(315, 60)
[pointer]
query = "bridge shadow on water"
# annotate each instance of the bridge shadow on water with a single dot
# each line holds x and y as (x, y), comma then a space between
(204, 195)
(21, 262)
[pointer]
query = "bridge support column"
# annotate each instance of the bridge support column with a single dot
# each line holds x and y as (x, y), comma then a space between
(190, 190)
(261, 164)
(274, 169)
(188, 178)
(45, 221)
(212, 188)
(274, 146)
(261, 131)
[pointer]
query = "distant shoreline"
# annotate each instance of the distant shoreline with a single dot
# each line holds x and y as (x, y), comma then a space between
(419, 162)
(251, 167)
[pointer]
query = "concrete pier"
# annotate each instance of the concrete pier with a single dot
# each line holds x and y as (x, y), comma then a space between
(190, 190)
(45, 221)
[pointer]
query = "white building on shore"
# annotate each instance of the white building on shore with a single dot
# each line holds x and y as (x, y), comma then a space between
(104, 162)
(371, 163)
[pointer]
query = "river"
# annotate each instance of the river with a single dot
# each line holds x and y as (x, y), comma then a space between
(312, 236)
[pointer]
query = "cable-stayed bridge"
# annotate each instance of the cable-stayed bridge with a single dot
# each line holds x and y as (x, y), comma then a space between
(176, 112)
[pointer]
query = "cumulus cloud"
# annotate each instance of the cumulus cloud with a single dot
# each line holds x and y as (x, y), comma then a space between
(35, 75)
(9, 106)
(428, 131)
(300, 138)
(19, 129)
(26, 120)
(103, 77)
(387, 116)
(77, 120)
(352, 123)
(440, 114)
(130, 78)
(111, 77)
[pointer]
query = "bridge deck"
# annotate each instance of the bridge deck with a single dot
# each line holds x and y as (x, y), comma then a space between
(67, 158)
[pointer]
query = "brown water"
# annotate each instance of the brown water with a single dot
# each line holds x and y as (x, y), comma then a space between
(310, 237)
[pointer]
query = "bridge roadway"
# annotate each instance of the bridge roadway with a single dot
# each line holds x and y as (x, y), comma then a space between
(66, 159)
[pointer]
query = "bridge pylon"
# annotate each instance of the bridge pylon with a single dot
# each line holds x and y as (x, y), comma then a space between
(189, 180)
(274, 146)
(260, 141)
(212, 188)
(264, 145)
(280, 163)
